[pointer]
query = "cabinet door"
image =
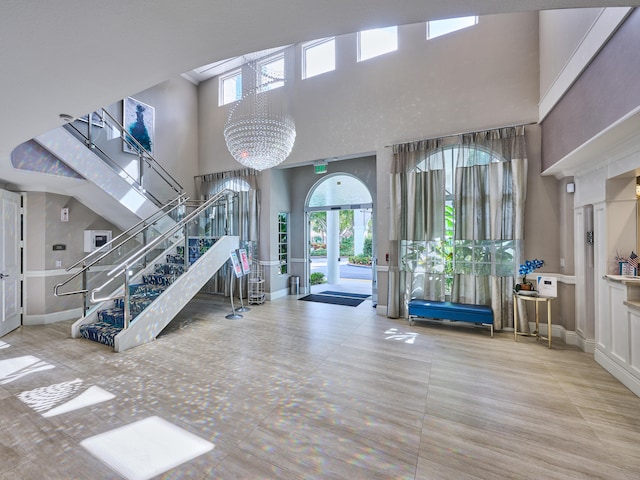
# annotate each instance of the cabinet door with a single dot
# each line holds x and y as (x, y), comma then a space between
(618, 323)
(634, 340)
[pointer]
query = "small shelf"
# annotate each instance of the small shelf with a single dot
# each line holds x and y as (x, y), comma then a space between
(256, 283)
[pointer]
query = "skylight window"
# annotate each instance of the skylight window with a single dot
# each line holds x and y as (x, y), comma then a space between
(271, 72)
(437, 28)
(318, 57)
(372, 43)
(230, 86)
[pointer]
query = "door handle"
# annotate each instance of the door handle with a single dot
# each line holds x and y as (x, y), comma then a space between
(2, 275)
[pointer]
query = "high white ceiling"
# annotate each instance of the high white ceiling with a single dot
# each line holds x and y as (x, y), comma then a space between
(72, 56)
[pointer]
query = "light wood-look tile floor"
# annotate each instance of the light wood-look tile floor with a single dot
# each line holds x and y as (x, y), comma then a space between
(301, 390)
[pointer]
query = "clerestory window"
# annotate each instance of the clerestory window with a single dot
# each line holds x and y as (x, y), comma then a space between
(270, 72)
(375, 42)
(318, 57)
(230, 87)
(437, 28)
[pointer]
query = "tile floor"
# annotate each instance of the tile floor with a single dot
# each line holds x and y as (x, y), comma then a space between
(301, 390)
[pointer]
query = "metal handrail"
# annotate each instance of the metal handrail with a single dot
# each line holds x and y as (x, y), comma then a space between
(109, 247)
(152, 161)
(123, 267)
(179, 201)
(143, 154)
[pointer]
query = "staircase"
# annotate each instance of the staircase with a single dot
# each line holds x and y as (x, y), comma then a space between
(143, 271)
(159, 295)
(129, 187)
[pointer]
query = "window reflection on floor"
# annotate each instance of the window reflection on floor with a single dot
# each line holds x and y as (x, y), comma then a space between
(144, 449)
(64, 397)
(397, 335)
(15, 368)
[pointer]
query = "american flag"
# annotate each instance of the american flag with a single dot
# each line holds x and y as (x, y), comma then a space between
(633, 260)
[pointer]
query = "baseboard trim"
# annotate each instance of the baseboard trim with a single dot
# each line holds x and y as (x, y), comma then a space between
(277, 294)
(569, 337)
(586, 345)
(628, 380)
(47, 318)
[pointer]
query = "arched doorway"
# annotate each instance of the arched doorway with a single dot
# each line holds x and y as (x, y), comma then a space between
(340, 234)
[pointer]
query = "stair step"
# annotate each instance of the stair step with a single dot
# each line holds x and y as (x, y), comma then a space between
(169, 269)
(158, 279)
(100, 332)
(113, 316)
(141, 295)
(178, 259)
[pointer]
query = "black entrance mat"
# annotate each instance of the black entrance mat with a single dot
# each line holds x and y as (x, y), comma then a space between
(333, 299)
(345, 294)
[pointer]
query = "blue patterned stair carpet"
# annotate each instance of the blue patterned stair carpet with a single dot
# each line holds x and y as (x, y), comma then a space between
(110, 320)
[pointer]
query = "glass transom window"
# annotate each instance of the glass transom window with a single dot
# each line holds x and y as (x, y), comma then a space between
(230, 87)
(340, 190)
(437, 28)
(270, 73)
(372, 43)
(318, 57)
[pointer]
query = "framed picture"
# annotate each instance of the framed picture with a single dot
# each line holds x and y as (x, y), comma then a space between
(237, 268)
(244, 261)
(138, 120)
(96, 119)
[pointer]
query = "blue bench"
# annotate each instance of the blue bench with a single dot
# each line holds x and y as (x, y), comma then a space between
(461, 312)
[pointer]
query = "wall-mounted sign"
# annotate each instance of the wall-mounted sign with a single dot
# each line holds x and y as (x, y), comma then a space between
(59, 246)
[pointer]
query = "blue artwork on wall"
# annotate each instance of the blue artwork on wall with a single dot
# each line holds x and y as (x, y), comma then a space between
(138, 120)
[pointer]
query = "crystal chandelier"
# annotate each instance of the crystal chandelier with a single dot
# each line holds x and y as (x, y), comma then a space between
(259, 132)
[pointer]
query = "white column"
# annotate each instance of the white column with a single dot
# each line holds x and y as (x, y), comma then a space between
(333, 246)
(359, 226)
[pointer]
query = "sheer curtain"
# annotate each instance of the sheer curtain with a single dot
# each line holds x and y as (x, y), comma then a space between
(417, 206)
(489, 201)
(243, 220)
(488, 178)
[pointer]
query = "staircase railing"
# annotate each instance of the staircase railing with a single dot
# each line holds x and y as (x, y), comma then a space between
(199, 226)
(111, 141)
(123, 242)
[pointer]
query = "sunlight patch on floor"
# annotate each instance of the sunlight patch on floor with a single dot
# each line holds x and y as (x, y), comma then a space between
(399, 336)
(146, 448)
(14, 368)
(48, 400)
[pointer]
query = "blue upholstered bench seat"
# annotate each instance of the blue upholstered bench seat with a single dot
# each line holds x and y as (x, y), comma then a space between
(462, 312)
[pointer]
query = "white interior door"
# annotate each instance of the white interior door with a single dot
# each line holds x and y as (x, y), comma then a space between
(10, 309)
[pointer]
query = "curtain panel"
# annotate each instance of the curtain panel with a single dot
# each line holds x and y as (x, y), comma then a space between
(243, 220)
(489, 178)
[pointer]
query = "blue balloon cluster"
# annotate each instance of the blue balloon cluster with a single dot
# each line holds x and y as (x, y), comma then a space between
(530, 265)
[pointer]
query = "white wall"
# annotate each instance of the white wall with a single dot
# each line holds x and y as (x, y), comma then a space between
(481, 77)
(478, 78)
(561, 32)
(43, 228)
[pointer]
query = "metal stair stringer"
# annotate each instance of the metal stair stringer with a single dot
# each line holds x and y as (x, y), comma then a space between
(157, 316)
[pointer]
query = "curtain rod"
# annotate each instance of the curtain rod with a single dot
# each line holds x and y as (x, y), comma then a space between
(464, 133)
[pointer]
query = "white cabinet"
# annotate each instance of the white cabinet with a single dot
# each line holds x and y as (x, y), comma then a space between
(618, 332)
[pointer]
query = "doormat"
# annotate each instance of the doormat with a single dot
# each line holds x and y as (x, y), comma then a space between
(345, 294)
(333, 300)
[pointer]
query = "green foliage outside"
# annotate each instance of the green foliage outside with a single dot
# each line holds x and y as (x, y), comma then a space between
(346, 246)
(360, 260)
(317, 278)
(367, 248)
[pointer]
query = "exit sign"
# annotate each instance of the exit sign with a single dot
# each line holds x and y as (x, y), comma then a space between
(320, 168)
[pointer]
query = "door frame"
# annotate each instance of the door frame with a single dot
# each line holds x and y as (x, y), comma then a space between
(11, 268)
